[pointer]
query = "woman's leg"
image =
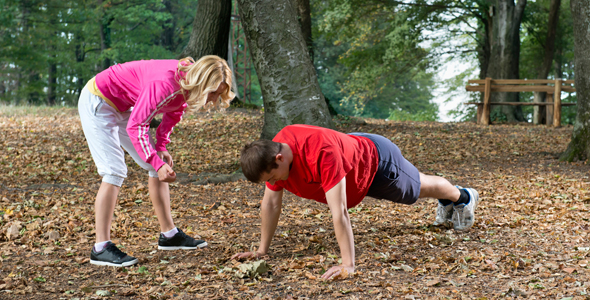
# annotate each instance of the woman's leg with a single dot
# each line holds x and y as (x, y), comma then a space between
(437, 187)
(159, 191)
(99, 122)
(104, 207)
(160, 196)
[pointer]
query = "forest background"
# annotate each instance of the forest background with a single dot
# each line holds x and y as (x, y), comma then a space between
(377, 59)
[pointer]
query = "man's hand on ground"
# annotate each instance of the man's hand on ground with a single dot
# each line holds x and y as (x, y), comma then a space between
(247, 255)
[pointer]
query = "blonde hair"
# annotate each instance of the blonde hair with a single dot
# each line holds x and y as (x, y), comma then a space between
(203, 77)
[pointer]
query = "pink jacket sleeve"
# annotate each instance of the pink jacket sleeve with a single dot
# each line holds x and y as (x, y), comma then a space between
(150, 100)
(169, 120)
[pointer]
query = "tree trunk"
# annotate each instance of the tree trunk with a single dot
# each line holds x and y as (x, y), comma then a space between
(230, 62)
(80, 55)
(52, 61)
(210, 33)
(288, 81)
(105, 34)
(483, 48)
(51, 83)
(304, 17)
(3, 86)
(33, 83)
(557, 64)
(539, 111)
(505, 52)
(579, 147)
(167, 35)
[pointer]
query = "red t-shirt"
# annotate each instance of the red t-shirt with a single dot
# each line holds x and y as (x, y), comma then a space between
(322, 157)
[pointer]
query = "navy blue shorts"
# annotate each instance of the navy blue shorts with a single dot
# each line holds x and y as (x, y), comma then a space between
(396, 180)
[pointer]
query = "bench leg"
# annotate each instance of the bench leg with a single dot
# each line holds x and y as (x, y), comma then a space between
(479, 113)
(549, 110)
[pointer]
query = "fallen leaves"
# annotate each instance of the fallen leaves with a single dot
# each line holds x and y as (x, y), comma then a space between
(12, 232)
(252, 269)
(530, 236)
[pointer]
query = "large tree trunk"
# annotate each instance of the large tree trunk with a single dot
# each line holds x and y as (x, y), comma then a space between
(505, 52)
(210, 33)
(304, 16)
(539, 116)
(288, 81)
(579, 147)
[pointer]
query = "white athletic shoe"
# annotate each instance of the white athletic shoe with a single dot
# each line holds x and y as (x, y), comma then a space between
(463, 214)
(444, 214)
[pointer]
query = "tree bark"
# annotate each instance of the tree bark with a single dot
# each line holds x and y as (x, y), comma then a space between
(483, 49)
(288, 80)
(304, 17)
(230, 62)
(579, 147)
(505, 54)
(210, 32)
(539, 111)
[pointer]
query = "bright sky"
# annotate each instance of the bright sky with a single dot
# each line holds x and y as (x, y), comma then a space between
(448, 71)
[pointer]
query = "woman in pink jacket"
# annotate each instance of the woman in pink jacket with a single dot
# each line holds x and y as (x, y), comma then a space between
(116, 108)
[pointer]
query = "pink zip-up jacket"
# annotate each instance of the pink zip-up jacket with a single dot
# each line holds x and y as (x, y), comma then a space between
(150, 87)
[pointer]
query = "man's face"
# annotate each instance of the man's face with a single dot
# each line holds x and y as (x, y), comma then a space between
(279, 173)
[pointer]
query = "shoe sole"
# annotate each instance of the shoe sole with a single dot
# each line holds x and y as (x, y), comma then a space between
(105, 263)
(201, 245)
(476, 197)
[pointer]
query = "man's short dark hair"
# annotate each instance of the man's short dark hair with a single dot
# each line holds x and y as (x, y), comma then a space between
(259, 157)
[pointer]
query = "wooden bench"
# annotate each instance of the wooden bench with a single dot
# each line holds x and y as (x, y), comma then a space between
(553, 103)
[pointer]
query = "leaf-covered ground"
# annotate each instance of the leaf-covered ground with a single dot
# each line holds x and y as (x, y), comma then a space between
(530, 239)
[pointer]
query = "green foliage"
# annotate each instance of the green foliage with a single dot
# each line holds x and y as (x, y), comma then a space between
(424, 115)
(369, 59)
(533, 36)
(71, 41)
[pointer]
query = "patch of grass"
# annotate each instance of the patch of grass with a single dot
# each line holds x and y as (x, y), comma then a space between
(42, 111)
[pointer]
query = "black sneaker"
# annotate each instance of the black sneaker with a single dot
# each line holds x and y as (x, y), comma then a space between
(111, 256)
(179, 241)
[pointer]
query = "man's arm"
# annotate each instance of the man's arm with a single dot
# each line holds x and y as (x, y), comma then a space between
(336, 198)
(270, 211)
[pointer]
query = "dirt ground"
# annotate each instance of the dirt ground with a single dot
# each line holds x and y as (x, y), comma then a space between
(530, 240)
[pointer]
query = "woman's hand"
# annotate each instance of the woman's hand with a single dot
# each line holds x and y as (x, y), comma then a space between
(246, 255)
(336, 271)
(166, 157)
(166, 174)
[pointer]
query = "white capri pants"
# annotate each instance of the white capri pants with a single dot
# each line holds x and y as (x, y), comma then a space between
(105, 130)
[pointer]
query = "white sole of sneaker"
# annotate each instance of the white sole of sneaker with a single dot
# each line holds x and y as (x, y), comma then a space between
(201, 245)
(104, 263)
